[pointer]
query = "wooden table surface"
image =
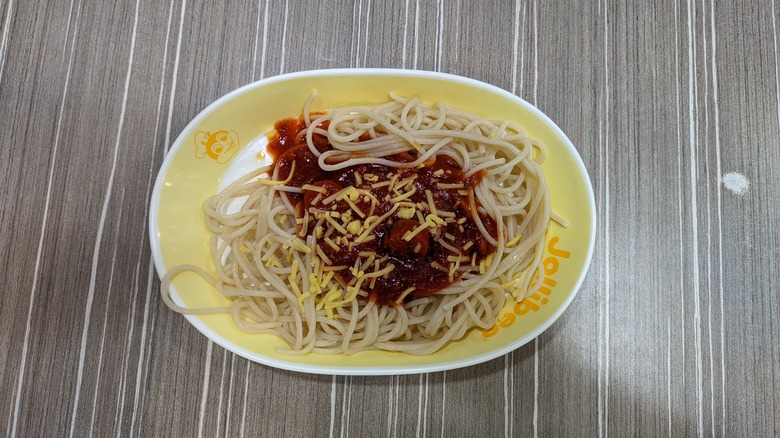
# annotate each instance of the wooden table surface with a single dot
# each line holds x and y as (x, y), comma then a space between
(673, 105)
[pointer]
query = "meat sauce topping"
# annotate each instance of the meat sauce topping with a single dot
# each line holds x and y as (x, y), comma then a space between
(388, 231)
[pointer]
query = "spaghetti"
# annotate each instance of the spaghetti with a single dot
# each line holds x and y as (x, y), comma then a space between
(397, 227)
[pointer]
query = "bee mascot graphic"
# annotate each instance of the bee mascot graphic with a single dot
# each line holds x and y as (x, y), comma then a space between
(221, 146)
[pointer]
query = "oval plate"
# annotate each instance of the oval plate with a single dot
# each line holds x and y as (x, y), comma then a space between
(209, 150)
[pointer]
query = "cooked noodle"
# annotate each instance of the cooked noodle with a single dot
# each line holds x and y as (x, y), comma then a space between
(274, 276)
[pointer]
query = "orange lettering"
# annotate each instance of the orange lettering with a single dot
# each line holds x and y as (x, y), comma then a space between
(550, 265)
(555, 251)
(526, 306)
(507, 320)
(531, 304)
(488, 333)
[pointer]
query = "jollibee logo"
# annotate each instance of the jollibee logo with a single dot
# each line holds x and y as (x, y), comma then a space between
(220, 146)
(534, 302)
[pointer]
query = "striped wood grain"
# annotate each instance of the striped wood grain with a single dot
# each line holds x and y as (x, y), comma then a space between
(673, 332)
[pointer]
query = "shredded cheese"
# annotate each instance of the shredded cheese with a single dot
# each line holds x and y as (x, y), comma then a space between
(406, 195)
(301, 246)
(409, 235)
(332, 244)
(431, 204)
(404, 294)
(313, 188)
(514, 241)
(449, 186)
(336, 225)
(406, 212)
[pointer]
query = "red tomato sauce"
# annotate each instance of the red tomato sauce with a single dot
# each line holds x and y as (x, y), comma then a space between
(424, 261)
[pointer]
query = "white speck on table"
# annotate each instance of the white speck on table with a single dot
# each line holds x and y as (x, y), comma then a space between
(736, 182)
